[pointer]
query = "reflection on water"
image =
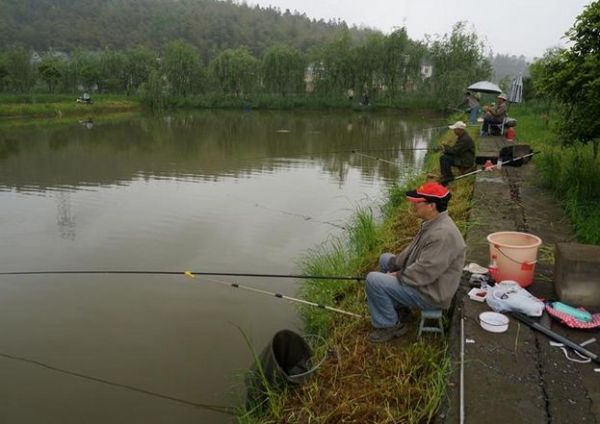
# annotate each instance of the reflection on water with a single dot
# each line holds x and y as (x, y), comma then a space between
(209, 191)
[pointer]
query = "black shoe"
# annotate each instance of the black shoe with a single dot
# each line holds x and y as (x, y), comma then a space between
(382, 335)
(446, 180)
(403, 313)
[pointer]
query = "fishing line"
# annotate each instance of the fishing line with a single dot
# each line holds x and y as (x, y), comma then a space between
(215, 408)
(277, 295)
(224, 274)
(299, 215)
(374, 158)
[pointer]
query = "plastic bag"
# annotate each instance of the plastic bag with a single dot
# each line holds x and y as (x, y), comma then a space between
(510, 296)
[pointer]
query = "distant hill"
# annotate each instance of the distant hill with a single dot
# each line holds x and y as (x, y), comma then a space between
(210, 25)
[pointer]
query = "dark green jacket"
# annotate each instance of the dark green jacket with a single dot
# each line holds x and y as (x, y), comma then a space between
(463, 151)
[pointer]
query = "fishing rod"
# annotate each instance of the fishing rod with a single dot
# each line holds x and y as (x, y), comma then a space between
(277, 295)
(383, 160)
(497, 166)
(222, 274)
(391, 149)
(374, 158)
(555, 336)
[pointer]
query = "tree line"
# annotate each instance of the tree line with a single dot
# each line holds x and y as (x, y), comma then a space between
(384, 67)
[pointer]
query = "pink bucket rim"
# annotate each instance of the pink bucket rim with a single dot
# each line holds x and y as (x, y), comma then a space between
(538, 241)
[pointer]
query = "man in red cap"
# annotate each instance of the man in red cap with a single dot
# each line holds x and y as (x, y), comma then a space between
(425, 274)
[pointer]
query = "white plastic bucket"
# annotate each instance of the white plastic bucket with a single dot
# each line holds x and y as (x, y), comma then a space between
(515, 255)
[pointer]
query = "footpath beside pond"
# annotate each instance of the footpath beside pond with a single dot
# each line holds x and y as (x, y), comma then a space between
(517, 376)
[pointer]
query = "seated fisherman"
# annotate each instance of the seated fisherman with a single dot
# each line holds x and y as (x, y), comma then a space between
(494, 114)
(425, 274)
(85, 98)
(461, 154)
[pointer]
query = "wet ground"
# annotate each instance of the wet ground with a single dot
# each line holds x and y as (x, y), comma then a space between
(516, 376)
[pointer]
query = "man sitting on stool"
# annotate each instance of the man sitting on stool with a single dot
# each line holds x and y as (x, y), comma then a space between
(494, 115)
(425, 275)
(461, 154)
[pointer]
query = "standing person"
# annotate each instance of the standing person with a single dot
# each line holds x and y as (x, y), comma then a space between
(365, 99)
(474, 106)
(494, 114)
(461, 154)
(425, 274)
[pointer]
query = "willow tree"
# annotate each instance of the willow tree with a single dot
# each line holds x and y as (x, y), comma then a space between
(396, 60)
(333, 65)
(283, 70)
(113, 76)
(139, 63)
(235, 71)
(19, 73)
(368, 63)
(181, 65)
(49, 70)
(458, 60)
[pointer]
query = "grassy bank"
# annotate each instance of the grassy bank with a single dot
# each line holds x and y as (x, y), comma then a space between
(362, 382)
(267, 101)
(57, 106)
(570, 172)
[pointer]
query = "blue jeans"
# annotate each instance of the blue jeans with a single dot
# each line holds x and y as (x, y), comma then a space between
(473, 112)
(385, 293)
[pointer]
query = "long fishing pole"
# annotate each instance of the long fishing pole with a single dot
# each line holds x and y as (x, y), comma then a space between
(374, 158)
(497, 165)
(278, 295)
(223, 274)
(555, 336)
(356, 152)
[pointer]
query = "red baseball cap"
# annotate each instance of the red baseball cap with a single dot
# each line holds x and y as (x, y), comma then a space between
(428, 192)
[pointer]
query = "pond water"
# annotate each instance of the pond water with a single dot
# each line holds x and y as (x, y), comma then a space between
(242, 192)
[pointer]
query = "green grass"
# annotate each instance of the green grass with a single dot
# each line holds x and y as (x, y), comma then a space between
(570, 172)
(57, 106)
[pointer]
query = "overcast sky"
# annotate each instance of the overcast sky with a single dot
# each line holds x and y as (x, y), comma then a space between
(526, 27)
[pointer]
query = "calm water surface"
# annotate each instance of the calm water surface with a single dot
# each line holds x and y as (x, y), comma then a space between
(207, 191)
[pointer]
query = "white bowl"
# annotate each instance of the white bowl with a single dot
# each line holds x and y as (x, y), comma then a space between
(493, 322)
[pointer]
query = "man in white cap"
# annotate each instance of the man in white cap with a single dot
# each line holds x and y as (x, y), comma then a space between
(494, 114)
(461, 154)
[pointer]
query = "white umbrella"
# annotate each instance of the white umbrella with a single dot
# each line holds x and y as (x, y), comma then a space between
(516, 90)
(485, 87)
